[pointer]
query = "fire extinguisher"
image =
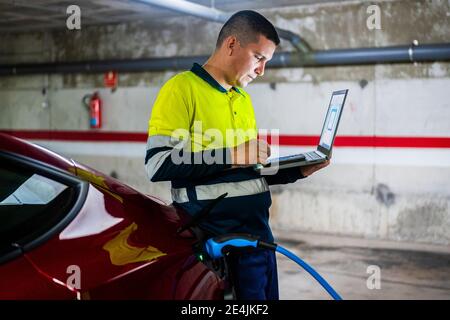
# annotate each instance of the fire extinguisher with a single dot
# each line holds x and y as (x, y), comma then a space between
(94, 105)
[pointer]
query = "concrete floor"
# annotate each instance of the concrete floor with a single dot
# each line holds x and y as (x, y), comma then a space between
(407, 271)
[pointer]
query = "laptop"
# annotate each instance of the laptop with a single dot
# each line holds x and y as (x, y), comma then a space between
(323, 151)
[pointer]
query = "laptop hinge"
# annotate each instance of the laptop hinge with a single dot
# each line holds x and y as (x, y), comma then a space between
(321, 154)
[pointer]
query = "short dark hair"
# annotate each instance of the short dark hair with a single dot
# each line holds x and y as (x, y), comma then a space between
(247, 25)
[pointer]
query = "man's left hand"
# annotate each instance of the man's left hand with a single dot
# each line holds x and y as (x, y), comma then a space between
(309, 170)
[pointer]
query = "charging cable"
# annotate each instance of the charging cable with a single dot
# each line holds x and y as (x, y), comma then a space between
(216, 247)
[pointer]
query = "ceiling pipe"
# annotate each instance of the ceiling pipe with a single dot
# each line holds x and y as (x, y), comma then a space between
(215, 15)
(358, 56)
(296, 41)
(363, 56)
(190, 8)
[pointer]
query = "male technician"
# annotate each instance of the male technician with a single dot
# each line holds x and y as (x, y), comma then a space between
(190, 124)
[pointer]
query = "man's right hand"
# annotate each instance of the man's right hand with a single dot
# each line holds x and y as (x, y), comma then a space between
(251, 152)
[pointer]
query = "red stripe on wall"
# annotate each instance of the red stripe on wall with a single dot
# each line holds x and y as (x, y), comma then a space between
(370, 141)
(79, 135)
(413, 142)
(284, 140)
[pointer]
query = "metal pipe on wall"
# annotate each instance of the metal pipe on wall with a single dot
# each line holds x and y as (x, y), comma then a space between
(358, 56)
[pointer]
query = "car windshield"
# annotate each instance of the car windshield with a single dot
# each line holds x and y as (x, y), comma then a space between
(35, 190)
(30, 203)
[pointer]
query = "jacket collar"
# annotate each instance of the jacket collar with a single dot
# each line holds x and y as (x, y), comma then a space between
(202, 73)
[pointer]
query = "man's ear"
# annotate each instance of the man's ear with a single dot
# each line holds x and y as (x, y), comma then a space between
(231, 43)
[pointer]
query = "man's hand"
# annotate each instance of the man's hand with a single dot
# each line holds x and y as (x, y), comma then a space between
(250, 152)
(309, 170)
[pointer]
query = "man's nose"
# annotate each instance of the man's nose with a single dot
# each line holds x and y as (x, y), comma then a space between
(260, 69)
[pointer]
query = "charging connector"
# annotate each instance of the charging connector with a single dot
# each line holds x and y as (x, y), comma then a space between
(218, 246)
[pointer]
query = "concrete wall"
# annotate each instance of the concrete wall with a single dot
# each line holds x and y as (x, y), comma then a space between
(387, 193)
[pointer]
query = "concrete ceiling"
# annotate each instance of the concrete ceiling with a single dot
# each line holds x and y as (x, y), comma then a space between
(25, 15)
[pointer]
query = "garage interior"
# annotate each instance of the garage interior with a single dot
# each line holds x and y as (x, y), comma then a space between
(384, 201)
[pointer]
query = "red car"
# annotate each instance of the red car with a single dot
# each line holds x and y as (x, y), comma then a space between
(68, 231)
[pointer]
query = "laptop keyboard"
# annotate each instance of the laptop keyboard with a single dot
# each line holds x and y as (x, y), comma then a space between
(312, 156)
(292, 157)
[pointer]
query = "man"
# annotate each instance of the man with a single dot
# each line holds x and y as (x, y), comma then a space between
(191, 121)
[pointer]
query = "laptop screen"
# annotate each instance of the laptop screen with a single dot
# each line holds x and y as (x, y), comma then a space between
(332, 119)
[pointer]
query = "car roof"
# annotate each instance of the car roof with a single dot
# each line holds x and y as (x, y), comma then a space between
(19, 146)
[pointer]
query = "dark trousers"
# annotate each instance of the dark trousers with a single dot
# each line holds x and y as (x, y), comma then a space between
(254, 275)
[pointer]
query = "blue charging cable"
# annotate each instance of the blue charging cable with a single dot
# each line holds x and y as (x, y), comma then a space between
(218, 246)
